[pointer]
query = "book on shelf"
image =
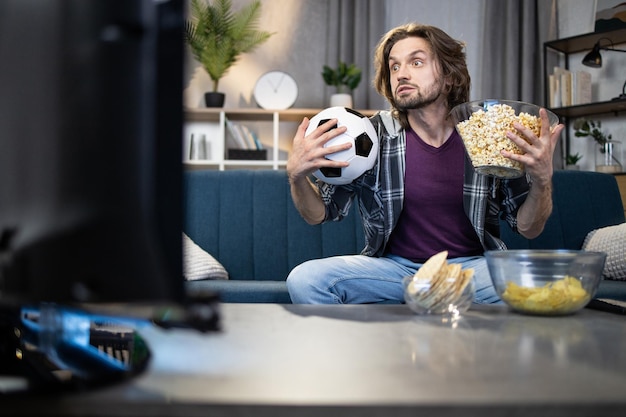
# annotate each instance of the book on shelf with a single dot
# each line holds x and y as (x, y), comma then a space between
(234, 137)
(569, 88)
(240, 136)
(252, 140)
(583, 87)
(245, 136)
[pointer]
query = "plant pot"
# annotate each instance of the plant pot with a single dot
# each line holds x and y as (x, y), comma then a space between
(572, 167)
(214, 99)
(342, 100)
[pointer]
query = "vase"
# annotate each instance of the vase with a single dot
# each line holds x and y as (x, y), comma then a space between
(342, 100)
(609, 157)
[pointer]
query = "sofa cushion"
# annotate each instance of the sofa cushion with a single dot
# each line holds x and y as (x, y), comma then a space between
(199, 264)
(612, 241)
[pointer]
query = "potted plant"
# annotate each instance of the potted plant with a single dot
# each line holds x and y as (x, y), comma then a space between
(608, 157)
(217, 36)
(571, 161)
(586, 127)
(345, 78)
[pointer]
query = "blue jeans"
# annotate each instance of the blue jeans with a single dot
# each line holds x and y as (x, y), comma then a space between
(358, 279)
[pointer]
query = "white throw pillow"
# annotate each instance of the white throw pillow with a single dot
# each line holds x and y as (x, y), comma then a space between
(198, 264)
(612, 241)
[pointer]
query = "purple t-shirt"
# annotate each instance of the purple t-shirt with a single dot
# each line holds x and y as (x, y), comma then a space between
(433, 218)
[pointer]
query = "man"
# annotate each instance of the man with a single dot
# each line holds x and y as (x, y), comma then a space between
(422, 196)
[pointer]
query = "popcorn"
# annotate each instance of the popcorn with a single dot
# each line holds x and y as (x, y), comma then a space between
(484, 136)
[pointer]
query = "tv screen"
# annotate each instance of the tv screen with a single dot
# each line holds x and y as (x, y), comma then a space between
(90, 150)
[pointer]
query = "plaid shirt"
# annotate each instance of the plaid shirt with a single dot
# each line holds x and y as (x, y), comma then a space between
(379, 194)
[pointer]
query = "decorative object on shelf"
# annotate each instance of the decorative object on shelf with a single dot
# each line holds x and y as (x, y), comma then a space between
(275, 90)
(571, 162)
(247, 154)
(198, 147)
(217, 36)
(346, 78)
(610, 15)
(609, 155)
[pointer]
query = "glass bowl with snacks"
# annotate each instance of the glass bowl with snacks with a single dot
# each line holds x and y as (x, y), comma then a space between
(439, 288)
(483, 125)
(545, 282)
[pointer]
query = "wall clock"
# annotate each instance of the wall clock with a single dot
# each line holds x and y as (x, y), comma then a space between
(275, 90)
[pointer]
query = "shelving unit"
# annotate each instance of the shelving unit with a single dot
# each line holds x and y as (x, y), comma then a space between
(212, 123)
(602, 107)
(574, 44)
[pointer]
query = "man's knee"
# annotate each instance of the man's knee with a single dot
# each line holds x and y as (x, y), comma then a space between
(306, 284)
(298, 283)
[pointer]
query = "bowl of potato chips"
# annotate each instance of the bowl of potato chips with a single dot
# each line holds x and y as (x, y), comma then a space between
(439, 287)
(545, 282)
(483, 125)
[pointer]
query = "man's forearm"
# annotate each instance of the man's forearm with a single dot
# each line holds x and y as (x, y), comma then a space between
(307, 200)
(533, 214)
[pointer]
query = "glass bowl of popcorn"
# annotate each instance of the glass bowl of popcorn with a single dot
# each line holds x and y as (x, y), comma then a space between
(483, 125)
(545, 282)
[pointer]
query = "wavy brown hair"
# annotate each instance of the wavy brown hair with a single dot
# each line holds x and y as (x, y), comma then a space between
(448, 53)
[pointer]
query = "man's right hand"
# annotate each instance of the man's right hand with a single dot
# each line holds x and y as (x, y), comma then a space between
(308, 153)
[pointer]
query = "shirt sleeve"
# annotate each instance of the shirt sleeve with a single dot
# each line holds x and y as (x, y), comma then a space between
(513, 195)
(337, 198)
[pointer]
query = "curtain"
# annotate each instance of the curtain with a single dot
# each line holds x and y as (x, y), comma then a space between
(354, 29)
(512, 61)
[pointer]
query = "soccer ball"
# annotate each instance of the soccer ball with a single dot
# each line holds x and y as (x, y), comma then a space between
(361, 133)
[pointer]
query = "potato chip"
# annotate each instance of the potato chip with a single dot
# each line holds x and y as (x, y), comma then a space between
(432, 266)
(438, 284)
(553, 298)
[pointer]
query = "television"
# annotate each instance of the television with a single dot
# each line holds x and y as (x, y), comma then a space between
(90, 167)
(90, 156)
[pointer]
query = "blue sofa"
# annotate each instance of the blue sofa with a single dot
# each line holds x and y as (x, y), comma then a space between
(246, 219)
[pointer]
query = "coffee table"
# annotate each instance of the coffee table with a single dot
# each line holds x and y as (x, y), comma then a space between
(369, 360)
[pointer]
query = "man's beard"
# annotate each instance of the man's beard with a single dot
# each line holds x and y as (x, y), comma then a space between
(418, 99)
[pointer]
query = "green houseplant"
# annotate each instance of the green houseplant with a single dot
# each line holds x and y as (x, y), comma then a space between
(608, 158)
(217, 36)
(571, 161)
(586, 127)
(345, 77)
